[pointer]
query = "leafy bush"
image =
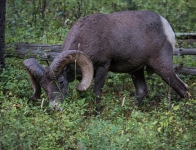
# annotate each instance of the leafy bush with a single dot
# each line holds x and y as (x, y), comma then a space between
(157, 124)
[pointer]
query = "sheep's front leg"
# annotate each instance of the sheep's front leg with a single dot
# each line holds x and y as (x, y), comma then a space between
(140, 85)
(100, 76)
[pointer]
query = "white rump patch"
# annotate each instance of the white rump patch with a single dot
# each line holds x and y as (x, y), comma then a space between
(169, 32)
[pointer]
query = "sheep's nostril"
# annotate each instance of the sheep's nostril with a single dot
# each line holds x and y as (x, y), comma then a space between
(55, 105)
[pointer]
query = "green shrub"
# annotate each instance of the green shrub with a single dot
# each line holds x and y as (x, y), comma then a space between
(158, 124)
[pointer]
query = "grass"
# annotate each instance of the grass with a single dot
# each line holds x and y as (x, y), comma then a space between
(157, 124)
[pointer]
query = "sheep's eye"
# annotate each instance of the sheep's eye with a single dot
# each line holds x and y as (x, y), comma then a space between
(61, 83)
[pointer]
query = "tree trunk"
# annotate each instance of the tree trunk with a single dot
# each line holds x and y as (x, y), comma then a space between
(2, 33)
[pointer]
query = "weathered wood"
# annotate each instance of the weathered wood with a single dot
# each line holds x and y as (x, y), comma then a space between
(49, 52)
(186, 35)
(46, 51)
(185, 51)
(186, 70)
(42, 51)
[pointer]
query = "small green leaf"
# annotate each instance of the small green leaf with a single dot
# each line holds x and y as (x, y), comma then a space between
(176, 107)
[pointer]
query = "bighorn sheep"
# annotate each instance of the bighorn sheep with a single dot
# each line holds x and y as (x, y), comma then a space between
(122, 42)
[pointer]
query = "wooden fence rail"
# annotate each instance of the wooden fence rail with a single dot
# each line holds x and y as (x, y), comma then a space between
(46, 52)
(186, 35)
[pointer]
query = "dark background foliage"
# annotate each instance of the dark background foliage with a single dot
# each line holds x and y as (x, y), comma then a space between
(52, 19)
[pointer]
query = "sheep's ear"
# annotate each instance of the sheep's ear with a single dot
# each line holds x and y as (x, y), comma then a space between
(35, 71)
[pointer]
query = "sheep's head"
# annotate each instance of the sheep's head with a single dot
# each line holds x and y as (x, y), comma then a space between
(53, 78)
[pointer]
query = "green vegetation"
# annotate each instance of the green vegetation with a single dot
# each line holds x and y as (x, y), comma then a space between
(164, 121)
(48, 21)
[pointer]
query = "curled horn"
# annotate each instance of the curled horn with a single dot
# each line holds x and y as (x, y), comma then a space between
(81, 60)
(34, 68)
(36, 72)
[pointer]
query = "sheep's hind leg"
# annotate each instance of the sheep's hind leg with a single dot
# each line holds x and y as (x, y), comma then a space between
(140, 85)
(163, 66)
